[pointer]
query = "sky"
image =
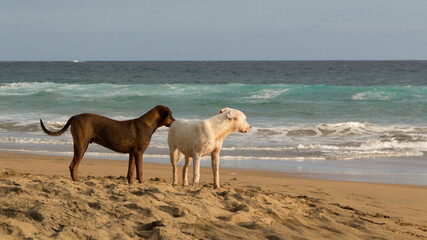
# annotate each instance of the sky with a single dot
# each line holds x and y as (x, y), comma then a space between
(52, 30)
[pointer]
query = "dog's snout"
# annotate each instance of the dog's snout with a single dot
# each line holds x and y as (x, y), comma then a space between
(169, 123)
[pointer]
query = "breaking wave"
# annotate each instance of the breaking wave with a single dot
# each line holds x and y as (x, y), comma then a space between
(325, 141)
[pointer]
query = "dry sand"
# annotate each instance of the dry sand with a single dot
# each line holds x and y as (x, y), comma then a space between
(38, 200)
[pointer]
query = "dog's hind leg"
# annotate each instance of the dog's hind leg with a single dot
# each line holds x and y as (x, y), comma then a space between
(185, 170)
(173, 155)
(79, 151)
(196, 171)
(131, 168)
(138, 162)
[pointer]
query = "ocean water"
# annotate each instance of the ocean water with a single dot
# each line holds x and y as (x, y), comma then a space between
(305, 115)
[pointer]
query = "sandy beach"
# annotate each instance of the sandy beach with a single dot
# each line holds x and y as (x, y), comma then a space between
(314, 112)
(38, 200)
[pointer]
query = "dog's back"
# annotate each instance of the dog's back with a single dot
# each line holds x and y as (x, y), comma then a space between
(191, 137)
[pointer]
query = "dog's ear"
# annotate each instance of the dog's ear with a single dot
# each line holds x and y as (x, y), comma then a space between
(223, 110)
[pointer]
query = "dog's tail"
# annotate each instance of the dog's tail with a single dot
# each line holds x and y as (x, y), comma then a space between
(67, 125)
(180, 157)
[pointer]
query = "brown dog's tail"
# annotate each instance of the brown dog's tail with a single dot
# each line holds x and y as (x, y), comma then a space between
(180, 157)
(67, 125)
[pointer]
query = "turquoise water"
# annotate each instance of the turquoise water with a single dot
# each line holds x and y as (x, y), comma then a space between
(300, 111)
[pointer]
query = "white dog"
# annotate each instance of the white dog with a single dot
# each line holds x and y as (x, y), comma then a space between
(198, 139)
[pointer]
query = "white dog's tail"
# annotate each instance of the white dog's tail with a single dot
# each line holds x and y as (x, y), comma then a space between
(180, 157)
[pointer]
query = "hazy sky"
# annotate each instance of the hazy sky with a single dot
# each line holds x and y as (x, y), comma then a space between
(213, 30)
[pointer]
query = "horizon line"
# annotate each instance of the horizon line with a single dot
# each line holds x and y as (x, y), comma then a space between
(207, 60)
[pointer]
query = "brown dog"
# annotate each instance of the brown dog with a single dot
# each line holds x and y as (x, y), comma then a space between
(130, 136)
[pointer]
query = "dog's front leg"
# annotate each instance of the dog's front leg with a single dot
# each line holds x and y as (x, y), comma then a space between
(185, 170)
(215, 168)
(173, 158)
(131, 168)
(138, 163)
(196, 171)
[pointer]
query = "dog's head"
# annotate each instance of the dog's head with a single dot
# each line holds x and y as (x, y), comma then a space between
(165, 116)
(237, 119)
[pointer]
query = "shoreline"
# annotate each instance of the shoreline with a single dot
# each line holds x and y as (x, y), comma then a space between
(321, 208)
(388, 170)
(30, 163)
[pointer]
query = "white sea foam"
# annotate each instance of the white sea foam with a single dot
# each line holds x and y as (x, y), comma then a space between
(370, 95)
(33, 140)
(108, 90)
(347, 129)
(26, 88)
(288, 158)
(267, 93)
(345, 140)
